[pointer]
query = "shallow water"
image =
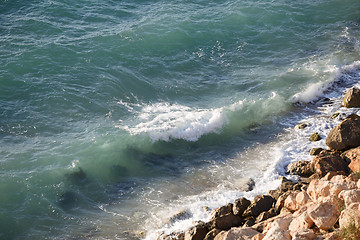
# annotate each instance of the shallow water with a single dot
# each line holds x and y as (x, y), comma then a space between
(117, 115)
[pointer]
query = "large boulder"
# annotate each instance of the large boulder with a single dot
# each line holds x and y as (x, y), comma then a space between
(328, 161)
(319, 189)
(352, 98)
(353, 157)
(346, 135)
(260, 204)
(224, 219)
(240, 206)
(350, 196)
(324, 215)
(302, 168)
(197, 233)
(351, 215)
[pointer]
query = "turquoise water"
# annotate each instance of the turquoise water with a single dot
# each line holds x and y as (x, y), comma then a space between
(107, 106)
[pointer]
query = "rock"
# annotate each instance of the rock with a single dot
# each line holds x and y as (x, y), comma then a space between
(350, 196)
(352, 98)
(324, 215)
(301, 126)
(330, 175)
(276, 232)
(350, 215)
(225, 222)
(281, 201)
(197, 233)
(290, 202)
(275, 193)
(240, 206)
(315, 137)
(319, 189)
(328, 162)
(330, 236)
(353, 157)
(68, 200)
(315, 151)
(300, 223)
(358, 184)
(212, 234)
(172, 236)
(222, 211)
(182, 215)
(306, 234)
(78, 177)
(237, 233)
(283, 220)
(335, 115)
(265, 215)
(260, 204)
(249, 222)
(346, 135)
(302, 168)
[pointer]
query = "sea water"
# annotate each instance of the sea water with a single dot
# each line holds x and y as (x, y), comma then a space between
(116, 116)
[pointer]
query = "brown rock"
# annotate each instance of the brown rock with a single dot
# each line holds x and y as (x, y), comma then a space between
(346, 135)
(223, 210)
(275, 193)
(324, 215)
(352, 98)
(328, 162)
(281, 201)
(260, 204)
(301, 126)
(302, 168)
(265, 215)
(316, 151)
(212, 234)
(240, 206)
(353, 156)
(249, 222)
(225, 222)
(197, 233)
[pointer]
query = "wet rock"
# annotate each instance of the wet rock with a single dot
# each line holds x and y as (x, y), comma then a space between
(240, 205)
(212, 234)
(346, 135)
(222, 211)
(260, 204)
(68, 200)
(328, 161)
(324, 215)
(316, 151)
(301, 168)
(266, 215)
(301, 126)
(77, 177)
(353, 157)
(225, 222)
(352, 98)
(182, 215)
(315, 137)
(197, 233)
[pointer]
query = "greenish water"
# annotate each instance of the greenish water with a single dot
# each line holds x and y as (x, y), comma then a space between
(113, 110)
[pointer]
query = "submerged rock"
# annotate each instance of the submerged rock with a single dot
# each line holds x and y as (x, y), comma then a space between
(301, 126)
(346, 135)
(352, 98)
(78, 177)
(68, 200)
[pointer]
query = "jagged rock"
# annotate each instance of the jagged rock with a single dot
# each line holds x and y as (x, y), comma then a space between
(300, 223)
(197, 233)
(319, 189)
(275, 193)
(324, 215)
(281, 201)
(350, 215)
(301, 126)
(306, 234)
(249, 222)
(352, 98)
(353, 157)
(315, 151)
(346, 135)
(260, 204)
(302, 168)
(328, 161)
(225, 222)
(266, 215)
(315, 137)
(350, 196)
(237, 233)
(223, 210)
(240, 206)
(212, 234)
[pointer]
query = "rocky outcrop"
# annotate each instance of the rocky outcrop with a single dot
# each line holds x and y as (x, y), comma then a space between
(353, 157)
(346, 135)
(328, 161)
(352, 98)
(301, 168)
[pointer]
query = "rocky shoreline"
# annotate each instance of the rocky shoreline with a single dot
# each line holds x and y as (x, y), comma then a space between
(323, 204)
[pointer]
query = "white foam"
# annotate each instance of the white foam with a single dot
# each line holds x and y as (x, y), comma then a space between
(164, 121)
